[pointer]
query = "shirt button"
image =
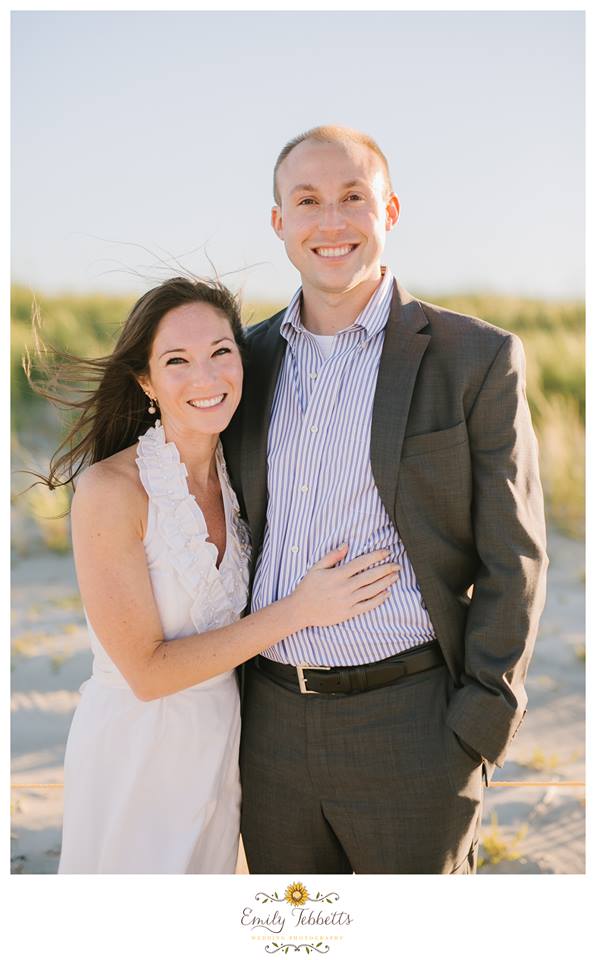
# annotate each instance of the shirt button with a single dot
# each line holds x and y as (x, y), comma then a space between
(313, 376)
(294, 549)
(304, 488)
(313, 429)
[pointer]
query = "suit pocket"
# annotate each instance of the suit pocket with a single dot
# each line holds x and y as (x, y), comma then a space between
(435, 441)
(471, 753)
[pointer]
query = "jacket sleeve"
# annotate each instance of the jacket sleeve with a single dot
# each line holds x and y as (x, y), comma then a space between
(509, 590)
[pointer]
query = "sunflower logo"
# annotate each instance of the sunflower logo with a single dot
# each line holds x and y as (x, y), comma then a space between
(296, 894)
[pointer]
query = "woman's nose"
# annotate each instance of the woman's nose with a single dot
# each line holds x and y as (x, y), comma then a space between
(203, 373)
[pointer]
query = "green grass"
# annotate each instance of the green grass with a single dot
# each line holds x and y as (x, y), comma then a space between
(552, 334)
(497, 848)
(542, 762)
(580, 652)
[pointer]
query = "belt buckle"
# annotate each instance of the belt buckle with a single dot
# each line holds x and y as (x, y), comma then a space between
(302, 681)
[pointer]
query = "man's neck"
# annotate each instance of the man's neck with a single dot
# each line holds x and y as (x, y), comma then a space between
(328, 313)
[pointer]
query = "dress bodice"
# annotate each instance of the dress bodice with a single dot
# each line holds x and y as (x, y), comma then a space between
(192, 594)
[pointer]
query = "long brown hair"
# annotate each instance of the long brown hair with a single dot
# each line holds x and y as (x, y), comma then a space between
(111, 403)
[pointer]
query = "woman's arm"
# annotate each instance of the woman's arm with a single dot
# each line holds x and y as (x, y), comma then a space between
(107, 530)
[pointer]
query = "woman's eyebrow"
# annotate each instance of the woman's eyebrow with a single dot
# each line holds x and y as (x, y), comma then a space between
(184, 350)
(173, 350)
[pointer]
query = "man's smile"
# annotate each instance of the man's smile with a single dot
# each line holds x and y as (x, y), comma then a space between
(336, 252)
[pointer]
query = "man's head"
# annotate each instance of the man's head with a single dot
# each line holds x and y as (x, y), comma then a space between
(333, 134)
(334, 205)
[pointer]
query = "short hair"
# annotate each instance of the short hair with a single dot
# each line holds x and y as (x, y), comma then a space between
(333, 134)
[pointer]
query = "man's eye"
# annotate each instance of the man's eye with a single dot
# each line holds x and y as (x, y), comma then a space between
(175, 360)
(306, 200)
(354, 196)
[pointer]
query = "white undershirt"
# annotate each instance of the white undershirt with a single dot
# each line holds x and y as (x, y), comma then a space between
(324, 343)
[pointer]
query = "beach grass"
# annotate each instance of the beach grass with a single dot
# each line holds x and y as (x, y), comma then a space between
(552, 334)
(496, 847)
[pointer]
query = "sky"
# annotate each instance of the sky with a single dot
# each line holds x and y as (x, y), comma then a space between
(141, 137)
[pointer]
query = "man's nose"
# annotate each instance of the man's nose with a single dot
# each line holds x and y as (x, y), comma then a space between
(332, 216)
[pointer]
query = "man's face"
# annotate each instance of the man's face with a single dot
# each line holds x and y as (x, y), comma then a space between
(334, 214)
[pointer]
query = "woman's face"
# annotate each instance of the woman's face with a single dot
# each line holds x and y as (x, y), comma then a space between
(195, 370)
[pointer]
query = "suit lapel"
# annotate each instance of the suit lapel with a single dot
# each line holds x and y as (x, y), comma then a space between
(263, 372)
(403, 350)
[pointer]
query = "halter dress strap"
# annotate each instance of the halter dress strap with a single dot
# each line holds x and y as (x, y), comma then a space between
(218, 595)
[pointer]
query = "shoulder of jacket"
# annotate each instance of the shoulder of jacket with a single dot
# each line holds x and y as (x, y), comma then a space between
(452, 323)
(257, 330)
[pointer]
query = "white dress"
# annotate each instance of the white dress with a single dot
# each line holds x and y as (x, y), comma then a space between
(153, 787)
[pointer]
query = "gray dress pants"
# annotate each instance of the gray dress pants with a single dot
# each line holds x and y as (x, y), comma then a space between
(369, 782)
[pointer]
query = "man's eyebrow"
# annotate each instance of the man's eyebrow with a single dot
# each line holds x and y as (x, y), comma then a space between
(308, 187)
(184, 350)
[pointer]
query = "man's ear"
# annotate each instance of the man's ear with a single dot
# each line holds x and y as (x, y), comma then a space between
(392, 209)
(277, 221)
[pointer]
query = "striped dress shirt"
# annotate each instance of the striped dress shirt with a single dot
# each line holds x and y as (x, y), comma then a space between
(321, 490)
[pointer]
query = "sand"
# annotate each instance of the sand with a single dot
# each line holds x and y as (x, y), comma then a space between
(528, 829)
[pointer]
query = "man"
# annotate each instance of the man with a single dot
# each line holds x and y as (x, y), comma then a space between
(377, 420)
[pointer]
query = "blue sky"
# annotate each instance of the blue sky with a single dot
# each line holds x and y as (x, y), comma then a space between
(161, 130)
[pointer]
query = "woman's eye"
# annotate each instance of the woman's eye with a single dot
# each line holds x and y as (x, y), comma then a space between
(221, 351)
(175, 360)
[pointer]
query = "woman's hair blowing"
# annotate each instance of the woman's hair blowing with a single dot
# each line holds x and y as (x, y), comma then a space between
(111, 404)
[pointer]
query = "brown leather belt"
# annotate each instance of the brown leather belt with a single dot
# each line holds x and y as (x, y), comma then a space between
(343, 680)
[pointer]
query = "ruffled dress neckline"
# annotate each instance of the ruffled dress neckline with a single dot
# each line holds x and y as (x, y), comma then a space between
(219, 594)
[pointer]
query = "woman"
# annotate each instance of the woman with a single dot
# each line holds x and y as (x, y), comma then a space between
(162, 554)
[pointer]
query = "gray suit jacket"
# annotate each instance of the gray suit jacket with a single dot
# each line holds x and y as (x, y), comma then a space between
(455, 460)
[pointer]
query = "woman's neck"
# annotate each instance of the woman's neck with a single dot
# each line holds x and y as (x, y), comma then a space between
(197, 453)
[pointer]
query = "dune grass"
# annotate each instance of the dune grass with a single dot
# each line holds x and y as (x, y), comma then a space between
(552, 334)
(496, 847)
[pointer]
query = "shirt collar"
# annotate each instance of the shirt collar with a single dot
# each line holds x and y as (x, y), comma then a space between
(371, 318)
